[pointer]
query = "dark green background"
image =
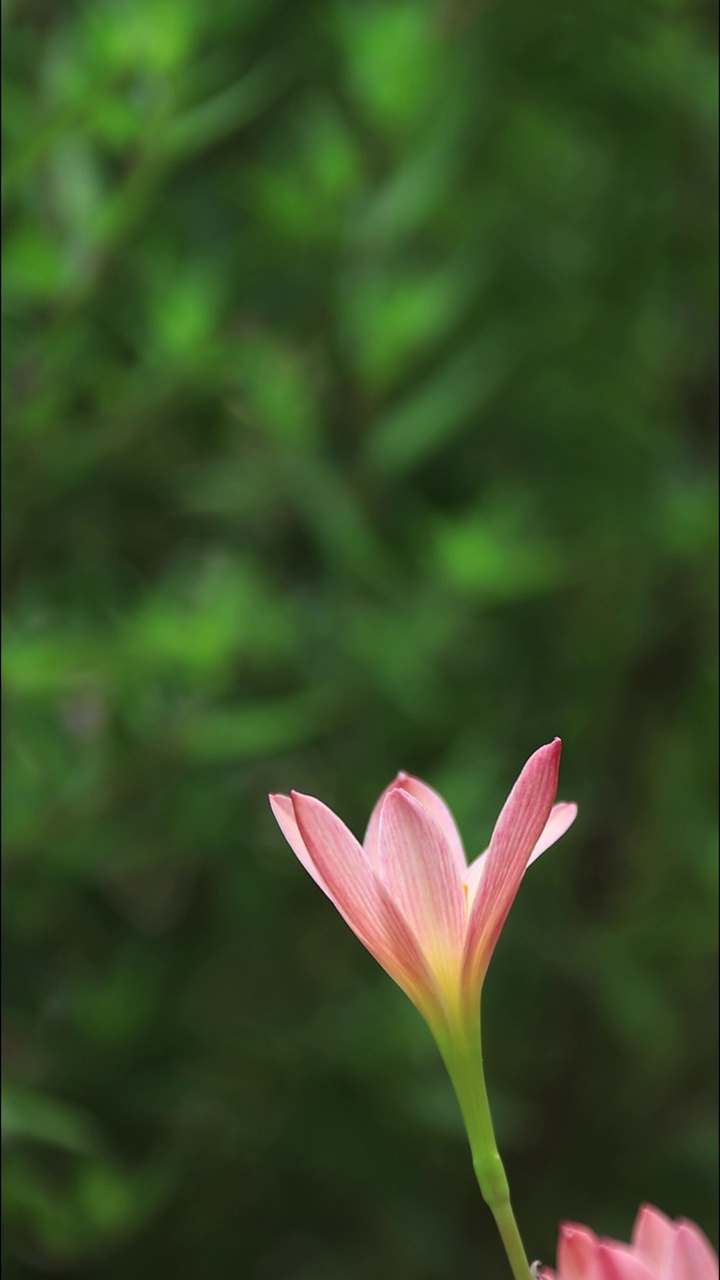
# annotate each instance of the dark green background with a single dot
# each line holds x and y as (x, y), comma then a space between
(360, 394)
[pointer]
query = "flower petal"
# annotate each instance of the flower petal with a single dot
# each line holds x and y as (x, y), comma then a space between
(370, 841)
(618, 1262)
(439, 812)
(362, 899)
(577, 1253)
(282, 807)
(422, 875)
(435, 806)
(660, 1250)
(561, 818)
(693, 1257)
(517, 832)
(653, 1237)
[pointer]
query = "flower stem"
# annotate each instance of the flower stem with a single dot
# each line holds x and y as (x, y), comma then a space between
(463, 1057)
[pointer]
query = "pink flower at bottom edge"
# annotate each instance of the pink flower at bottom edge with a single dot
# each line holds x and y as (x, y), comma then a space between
(660, 1250)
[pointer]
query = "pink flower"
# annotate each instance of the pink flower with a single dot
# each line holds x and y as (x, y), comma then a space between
(429, 918)
(660, 1250)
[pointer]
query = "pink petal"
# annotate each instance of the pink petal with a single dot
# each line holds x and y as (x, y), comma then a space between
(370, 842)
(653, 1238)
(431, 801)
(362, 900)
(577, 1253)
(693, 1257)
(517, 832)
(282, 807)
(421, 874)
(618, 1262)
(439, 812)
(561, 817)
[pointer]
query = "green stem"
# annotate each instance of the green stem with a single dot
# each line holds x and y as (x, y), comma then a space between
(463, 1057)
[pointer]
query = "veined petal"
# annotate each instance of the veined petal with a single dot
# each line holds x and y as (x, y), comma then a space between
(517, 832)
(693, 1257)
(561, 818)
(284, 813)
(653, 1237)
(421, 873)
(370, 841)
(362, 900)
(435, 806)
(439, 812)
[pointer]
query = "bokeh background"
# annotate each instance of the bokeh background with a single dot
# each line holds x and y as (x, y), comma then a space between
(360, 389)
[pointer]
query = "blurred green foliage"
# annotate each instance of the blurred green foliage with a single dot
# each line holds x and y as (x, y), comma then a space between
(360, 391)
